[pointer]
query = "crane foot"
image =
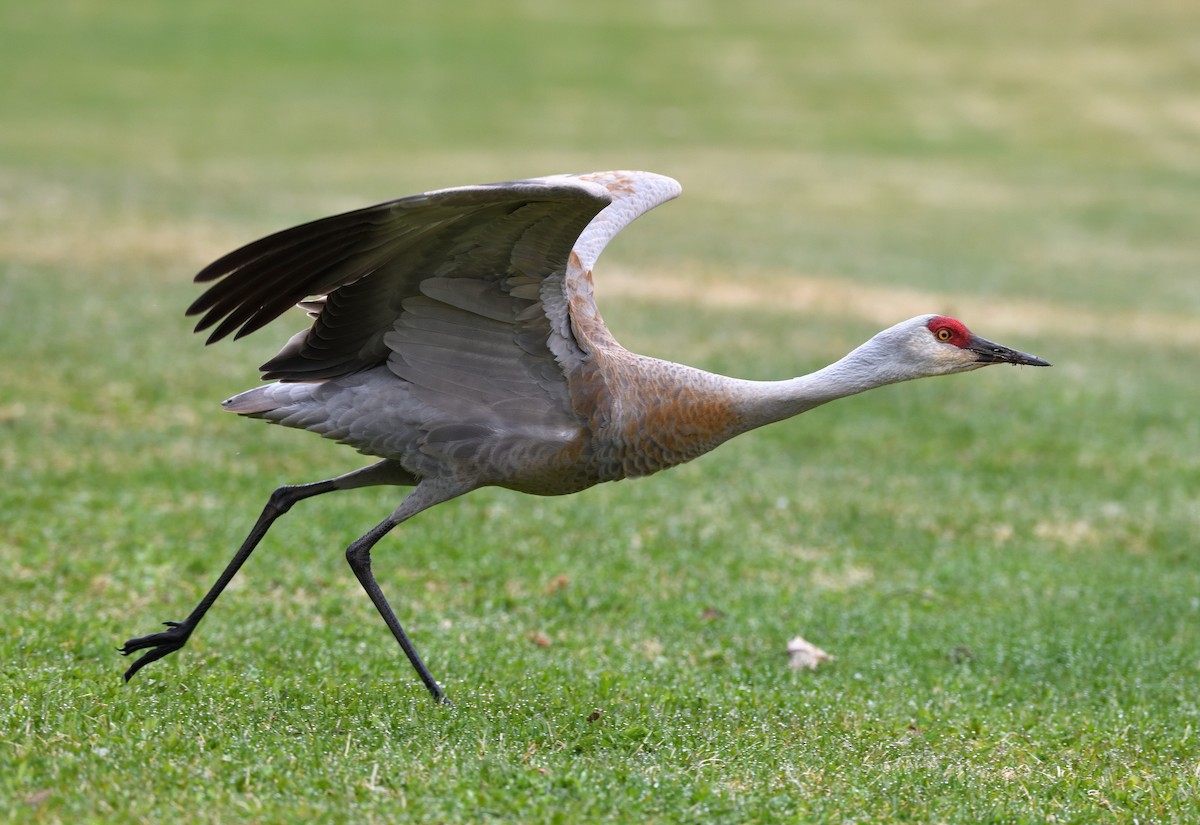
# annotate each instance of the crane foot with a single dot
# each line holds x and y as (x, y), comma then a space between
(160, 644)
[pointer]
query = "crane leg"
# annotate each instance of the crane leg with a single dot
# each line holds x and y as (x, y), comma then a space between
(358, 555)
(168, 641)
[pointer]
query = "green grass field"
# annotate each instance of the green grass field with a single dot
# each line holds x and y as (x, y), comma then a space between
(1005, 564)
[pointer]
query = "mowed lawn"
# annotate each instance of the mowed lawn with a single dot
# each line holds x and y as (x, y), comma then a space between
(1005, 564)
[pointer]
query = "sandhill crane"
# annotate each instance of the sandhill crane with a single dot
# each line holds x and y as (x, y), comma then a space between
(455, 337)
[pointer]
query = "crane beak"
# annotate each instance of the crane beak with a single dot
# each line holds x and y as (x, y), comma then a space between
(989, 352)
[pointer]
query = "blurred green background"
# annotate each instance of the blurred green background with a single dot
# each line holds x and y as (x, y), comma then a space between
(1003, 563)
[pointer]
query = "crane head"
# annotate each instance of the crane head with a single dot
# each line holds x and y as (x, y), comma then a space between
(946, 345)
(917, 348)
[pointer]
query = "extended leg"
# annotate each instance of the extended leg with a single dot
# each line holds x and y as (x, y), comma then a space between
(358, 555)
(168, 641)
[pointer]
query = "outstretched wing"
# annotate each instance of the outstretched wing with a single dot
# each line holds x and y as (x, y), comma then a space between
(361, 266)
(476, 297)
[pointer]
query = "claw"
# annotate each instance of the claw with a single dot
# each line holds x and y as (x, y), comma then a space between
(160, 644)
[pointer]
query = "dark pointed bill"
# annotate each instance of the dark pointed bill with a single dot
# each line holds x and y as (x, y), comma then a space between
(989, 352)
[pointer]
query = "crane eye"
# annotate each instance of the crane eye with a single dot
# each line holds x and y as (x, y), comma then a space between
(944, 334)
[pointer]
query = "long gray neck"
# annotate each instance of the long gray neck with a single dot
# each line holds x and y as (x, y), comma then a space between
(765, 402)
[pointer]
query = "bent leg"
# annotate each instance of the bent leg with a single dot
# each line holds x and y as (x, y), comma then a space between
(358, 554)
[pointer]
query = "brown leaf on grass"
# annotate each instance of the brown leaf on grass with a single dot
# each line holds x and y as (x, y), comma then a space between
(38, 797)
(804, 655)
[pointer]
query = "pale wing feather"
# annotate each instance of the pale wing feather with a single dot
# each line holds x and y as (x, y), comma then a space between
(571, 305)
(449, 350)
(633, 195)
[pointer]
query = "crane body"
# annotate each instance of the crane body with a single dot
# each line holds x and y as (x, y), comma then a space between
(456, 338)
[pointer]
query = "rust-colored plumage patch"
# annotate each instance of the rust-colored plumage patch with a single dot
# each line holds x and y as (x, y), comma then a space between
(615, 182)
(586, 323)
(669, 414)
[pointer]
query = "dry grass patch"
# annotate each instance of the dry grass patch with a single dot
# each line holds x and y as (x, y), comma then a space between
(806, 295)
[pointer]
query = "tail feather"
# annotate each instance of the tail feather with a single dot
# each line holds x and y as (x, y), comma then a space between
(252, 402)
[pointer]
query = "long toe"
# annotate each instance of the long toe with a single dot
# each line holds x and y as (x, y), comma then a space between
(176, 636)
(159, 644)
